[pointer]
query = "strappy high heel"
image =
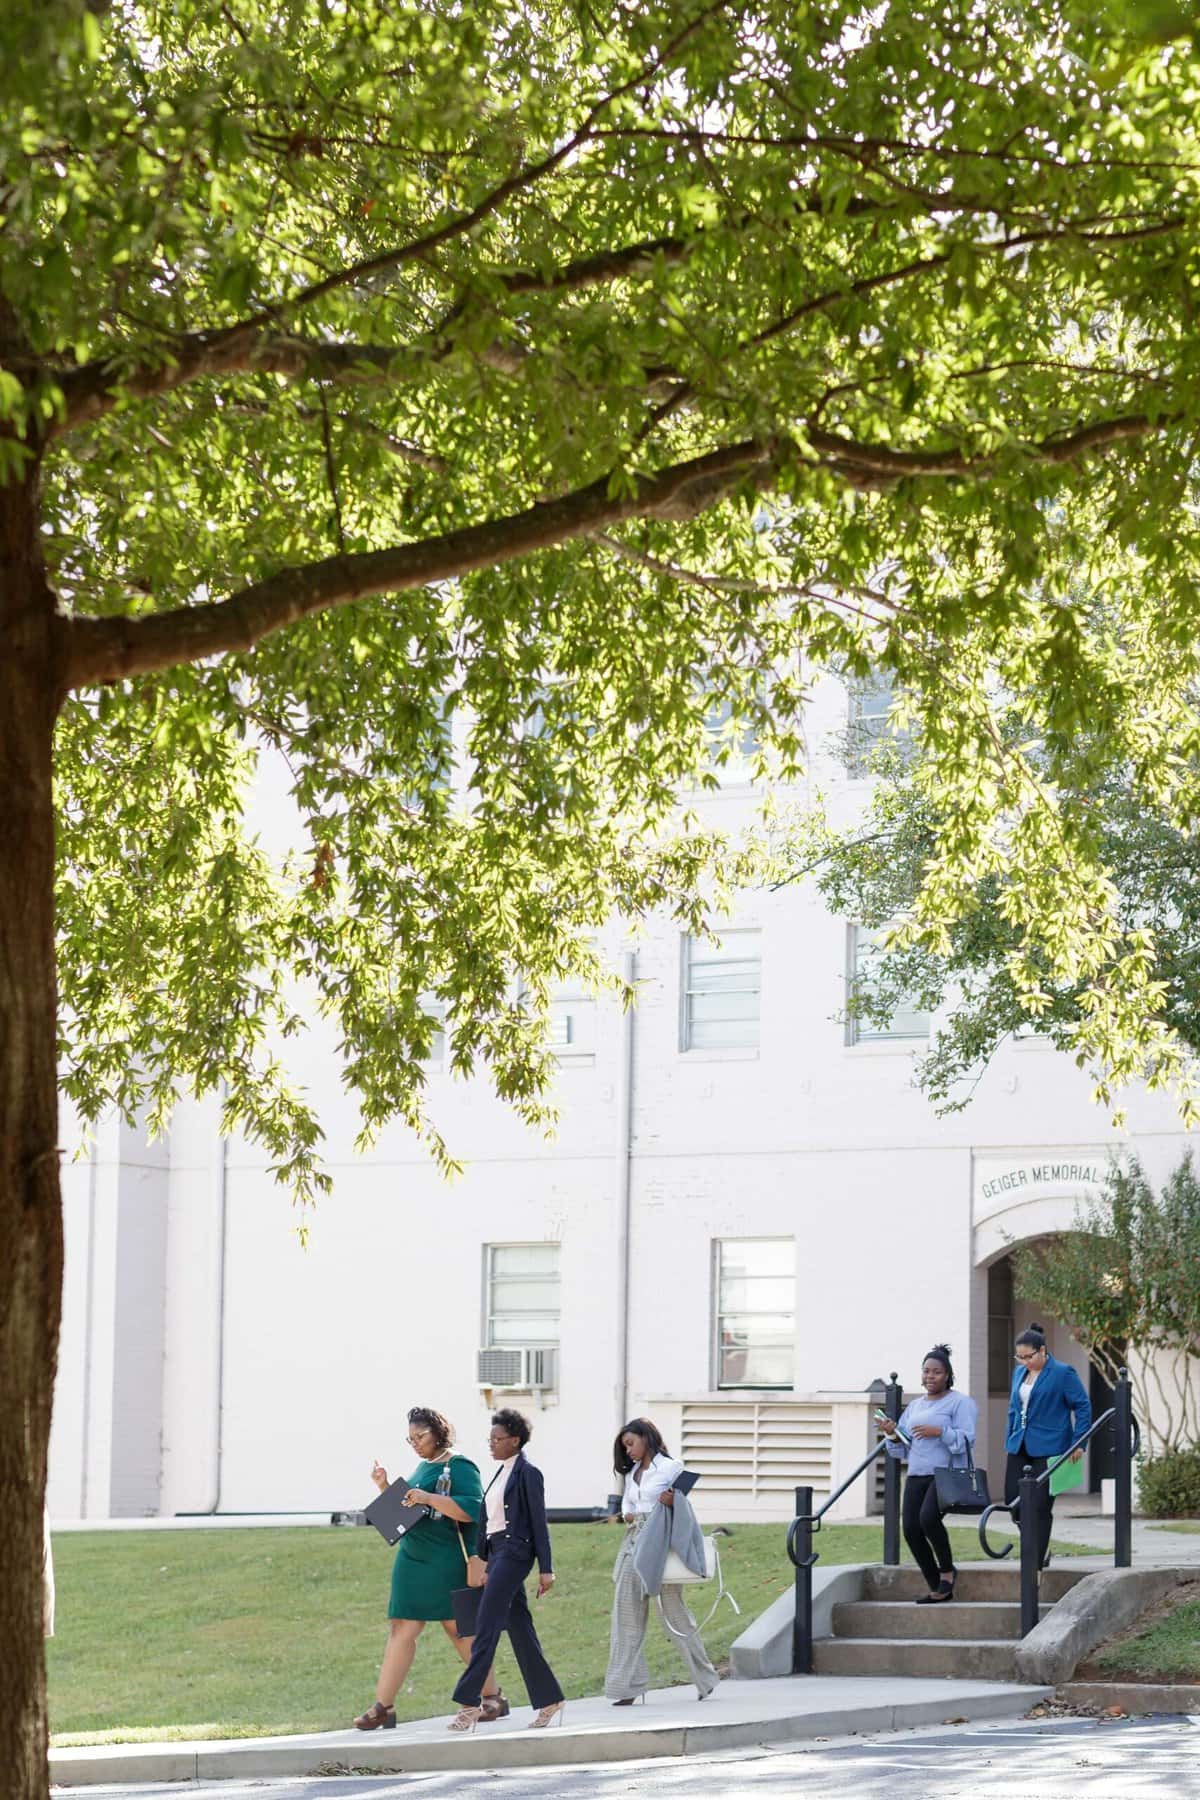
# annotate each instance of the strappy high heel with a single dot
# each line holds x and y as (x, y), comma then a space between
(548, 1715)
(493, 1706)
(466, 1718)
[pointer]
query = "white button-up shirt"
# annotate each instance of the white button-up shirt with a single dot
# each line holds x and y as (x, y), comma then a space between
(496, 1520)
(642, 1496)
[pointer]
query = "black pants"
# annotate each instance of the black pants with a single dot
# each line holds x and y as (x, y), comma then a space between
(505, 1608)
(1013, 1469)
(924, 1532)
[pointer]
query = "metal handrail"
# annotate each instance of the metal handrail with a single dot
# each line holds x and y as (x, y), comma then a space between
(1126, 1428)
(807, 1521)
(814, 1519)
(1084, 1438)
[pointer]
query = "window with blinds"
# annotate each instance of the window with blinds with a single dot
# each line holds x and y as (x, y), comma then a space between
(722, 987)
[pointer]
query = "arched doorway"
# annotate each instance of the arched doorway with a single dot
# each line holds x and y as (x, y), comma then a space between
(1019, 1200)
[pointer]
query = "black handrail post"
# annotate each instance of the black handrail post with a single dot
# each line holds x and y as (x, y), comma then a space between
(892, 1406)
(803, 1559)
(1123, 1491)
(1027, 1520)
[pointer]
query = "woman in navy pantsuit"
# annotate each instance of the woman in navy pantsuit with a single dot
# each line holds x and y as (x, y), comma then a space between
(1048, 1409)
(513, 1535)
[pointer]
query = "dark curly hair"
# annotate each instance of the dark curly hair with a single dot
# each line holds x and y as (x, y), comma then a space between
(645, 1428)
(941, 1353)
(437, 1422)
(515, 1423)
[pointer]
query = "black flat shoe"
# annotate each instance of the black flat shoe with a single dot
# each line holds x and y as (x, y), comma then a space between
(944, 1591)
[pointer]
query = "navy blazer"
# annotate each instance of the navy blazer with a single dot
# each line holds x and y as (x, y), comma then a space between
(524, 1514)
(1057, 1393)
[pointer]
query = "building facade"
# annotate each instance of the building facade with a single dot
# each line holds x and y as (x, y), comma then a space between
(749, 1214)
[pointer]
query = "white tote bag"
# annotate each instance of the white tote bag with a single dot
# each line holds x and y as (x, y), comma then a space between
(675, 1570)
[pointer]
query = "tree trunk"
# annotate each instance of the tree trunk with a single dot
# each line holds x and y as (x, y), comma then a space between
(31, 667)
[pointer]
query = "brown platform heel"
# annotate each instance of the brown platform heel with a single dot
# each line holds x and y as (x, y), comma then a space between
(377, 1717)
(493, 1706)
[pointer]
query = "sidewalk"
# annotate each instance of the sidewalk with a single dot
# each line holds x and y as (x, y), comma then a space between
(671, 1723)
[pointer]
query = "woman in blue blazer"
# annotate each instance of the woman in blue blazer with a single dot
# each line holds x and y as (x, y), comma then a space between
(1048, 1409)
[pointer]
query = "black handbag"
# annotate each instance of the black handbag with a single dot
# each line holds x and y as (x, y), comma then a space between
(962, 1490)
(465, 1601)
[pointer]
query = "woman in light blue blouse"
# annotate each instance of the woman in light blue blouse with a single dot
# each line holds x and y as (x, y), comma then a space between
(934, 1432)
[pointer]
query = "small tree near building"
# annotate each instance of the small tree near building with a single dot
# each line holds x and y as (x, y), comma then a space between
(1126, 1282)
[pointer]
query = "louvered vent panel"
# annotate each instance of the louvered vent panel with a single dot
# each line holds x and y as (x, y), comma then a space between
(757, 1447)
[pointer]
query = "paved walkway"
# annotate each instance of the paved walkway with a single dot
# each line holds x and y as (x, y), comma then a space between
(741, 1714)
(1111, 1759)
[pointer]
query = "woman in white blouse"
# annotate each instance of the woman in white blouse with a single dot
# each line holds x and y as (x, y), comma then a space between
(640, 1457)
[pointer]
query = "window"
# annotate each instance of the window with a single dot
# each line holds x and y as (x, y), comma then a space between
(908, 1018)
(756, 1312)
(871, 702)
(731, 748)
(721, 989)
(573, 1022)
(436, 1010)
(1001, 1327)
(521, 1294)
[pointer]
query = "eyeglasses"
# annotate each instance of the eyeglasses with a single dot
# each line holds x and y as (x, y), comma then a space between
(1027, 1357)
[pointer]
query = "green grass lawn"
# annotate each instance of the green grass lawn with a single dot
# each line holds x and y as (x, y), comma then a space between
(1166, 1648)
(244, 1633)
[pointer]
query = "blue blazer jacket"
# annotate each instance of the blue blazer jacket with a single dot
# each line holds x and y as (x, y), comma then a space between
(524, 1515)
(1057, 1394)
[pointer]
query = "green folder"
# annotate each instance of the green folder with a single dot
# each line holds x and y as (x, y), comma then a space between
(1067, 1475)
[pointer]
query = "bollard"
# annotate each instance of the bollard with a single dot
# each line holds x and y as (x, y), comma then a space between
(1123, 1487)
(800, 1551)
(1027, 1519)
(893, 1407)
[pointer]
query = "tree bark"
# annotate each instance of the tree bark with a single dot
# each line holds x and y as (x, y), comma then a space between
(32, 651)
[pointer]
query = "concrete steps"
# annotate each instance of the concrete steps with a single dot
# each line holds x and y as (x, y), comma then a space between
(973, 1637)
(962, 1659)
(980, 1619)
(1000, 1581)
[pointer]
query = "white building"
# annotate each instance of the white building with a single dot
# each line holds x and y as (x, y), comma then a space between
(745, 1219)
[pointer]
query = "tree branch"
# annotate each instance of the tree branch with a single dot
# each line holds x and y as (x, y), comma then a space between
(111, 649)
(525, 177)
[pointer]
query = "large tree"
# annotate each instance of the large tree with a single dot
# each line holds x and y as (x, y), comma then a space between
(373, 367)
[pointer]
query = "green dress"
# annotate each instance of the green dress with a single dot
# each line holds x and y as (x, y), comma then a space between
(429, 1558)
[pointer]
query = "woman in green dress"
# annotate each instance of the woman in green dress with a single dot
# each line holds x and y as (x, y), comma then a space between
(430, 1562)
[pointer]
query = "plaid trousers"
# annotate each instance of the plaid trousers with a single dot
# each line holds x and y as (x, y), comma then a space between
(627, 1674)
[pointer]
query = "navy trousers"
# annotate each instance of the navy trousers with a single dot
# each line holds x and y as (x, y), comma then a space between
(505, 1608)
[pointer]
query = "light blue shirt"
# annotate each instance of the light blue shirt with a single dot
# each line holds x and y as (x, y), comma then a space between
(958, 1416)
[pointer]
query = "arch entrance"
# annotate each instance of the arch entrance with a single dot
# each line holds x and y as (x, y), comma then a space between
(1019, 1199)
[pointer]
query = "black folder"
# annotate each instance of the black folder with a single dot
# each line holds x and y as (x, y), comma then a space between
(389, 1515)
(685, 1481)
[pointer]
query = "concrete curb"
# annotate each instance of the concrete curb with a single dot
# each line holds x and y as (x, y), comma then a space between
(1098, 1607)
(284, 1757)
(1133, 1696)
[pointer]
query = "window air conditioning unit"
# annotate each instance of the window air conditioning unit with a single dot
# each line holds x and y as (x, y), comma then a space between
(523, 1369)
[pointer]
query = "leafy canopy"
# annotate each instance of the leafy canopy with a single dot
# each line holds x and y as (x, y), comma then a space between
(397, 371)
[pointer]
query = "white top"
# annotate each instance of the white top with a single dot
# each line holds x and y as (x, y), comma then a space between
(495, 1496)
(1024, 1391)
(642, 1496)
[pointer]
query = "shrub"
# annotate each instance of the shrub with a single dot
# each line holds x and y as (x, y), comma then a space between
(1169, 1485)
